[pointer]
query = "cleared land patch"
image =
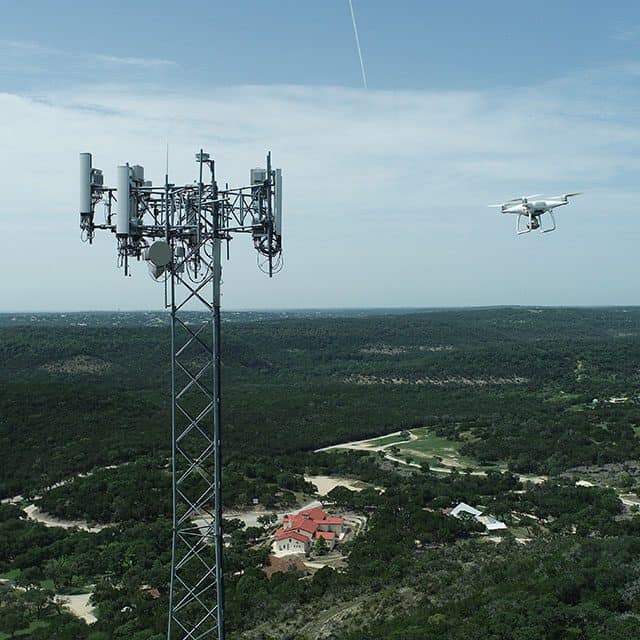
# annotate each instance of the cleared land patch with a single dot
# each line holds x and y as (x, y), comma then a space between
(326, 483)
(77, 364)
(385, 441)
(463, 381)
(441, 453)
(391, 350)
(436, 449)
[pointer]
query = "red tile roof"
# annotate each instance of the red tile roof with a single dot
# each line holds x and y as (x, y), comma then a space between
(306, 525)
(327, 535)
(315, 513)
(300, 522)
(284, 534)
(308, 521)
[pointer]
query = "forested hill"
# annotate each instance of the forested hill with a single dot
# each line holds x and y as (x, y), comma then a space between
(536, 409)
(513, 383)
(162, 318)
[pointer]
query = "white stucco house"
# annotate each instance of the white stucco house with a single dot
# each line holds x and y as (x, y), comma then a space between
(288, 542)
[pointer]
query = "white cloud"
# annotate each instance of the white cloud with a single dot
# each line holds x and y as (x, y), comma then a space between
(386, 191)
(28, 56)
(26, 47)
(135, 62)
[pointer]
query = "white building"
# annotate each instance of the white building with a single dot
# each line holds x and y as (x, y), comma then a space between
(287, 542)
(463, 510)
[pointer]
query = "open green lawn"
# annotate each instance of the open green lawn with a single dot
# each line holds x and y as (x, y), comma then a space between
(39, 624)
(427, 445)
(432, 444)
(10, 575)
(44, 584)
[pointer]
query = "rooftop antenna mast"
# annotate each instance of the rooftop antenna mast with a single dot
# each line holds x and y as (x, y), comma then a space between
(178, 231)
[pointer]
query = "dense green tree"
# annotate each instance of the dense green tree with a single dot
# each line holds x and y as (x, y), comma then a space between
(320, 547)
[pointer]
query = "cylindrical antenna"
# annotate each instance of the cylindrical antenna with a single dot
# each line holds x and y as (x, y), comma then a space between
(85, 184)
(270, 214)
(277, 201)
(123, 219)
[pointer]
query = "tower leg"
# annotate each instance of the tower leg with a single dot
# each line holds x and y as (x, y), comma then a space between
(217, 420)
(196, 590)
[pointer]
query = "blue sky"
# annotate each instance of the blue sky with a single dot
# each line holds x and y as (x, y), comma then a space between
(407, 45)
(386, 189)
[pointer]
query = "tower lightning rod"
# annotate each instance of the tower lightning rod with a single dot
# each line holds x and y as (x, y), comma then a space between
(178, 231)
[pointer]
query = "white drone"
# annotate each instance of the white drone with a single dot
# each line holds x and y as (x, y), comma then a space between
(530, 210)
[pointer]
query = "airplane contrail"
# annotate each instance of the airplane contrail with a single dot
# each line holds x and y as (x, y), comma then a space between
(355, 32)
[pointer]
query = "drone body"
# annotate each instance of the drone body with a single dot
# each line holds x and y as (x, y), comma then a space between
(530, 210)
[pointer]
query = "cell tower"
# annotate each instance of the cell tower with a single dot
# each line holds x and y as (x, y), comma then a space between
(178, 231)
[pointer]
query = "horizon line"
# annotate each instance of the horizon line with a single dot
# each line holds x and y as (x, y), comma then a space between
(329, 309)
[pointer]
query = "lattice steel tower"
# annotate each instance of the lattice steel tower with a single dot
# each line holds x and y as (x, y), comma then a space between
(179, 231)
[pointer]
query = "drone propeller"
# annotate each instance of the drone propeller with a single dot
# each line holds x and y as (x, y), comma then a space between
(565, 196)
(525, 199)
(508, 203)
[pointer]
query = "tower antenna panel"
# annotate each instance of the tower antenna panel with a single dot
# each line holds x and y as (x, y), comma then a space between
(123, 219)
(85, 184)
(277, 201)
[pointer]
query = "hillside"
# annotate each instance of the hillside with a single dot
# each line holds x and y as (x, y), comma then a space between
(509, 393)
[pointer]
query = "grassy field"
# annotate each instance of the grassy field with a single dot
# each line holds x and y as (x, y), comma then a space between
(427, 446)
(25, 632)
(432, 445)
(10, 575)
(437, 449)
(44, 584)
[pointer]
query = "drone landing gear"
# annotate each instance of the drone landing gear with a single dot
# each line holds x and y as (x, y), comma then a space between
(553, 223)
(526, 223)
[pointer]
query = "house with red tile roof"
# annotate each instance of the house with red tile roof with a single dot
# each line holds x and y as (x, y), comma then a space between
(287, 542)
(300, 531)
